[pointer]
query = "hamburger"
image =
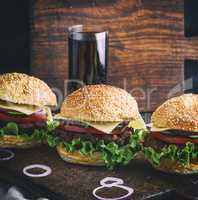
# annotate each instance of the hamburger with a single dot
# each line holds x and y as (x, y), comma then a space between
(172, 145)
(99, 125)
(24, 110)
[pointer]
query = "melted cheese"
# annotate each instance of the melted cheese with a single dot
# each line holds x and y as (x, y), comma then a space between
(58, 116)
(108, 127)
(104, 127)
(26, 109)
(156, 129)
(137, 124)
(49, 114)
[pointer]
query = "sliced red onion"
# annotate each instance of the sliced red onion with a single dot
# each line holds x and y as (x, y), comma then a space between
(47, 169)
(149, 125)
(9, 157)
(41, 111)
(113, 182)
(109, 182)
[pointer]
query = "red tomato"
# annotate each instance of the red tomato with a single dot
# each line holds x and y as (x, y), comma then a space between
(78, 129)
(173, 139)
(37, 117)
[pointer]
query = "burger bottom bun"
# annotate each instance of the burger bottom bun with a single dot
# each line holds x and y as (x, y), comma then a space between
(77, 158)
(171, 166)
(10, 141)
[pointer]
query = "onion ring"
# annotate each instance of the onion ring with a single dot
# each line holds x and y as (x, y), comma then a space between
(47, 169)
(8, 157)
(115, 182)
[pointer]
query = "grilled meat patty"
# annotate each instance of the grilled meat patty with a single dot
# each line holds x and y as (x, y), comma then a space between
(120, 138)
(179, 133)
(158, 144)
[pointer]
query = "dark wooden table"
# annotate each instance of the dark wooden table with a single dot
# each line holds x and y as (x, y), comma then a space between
(75, 182)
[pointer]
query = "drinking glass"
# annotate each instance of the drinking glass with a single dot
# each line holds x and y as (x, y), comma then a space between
(88, 56)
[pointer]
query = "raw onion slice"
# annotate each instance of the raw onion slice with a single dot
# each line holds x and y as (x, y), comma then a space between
(9, 157)
(109, 182)
(47, 169)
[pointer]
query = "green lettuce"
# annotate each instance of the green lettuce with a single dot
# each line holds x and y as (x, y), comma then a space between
(112, 153)
(16, 113)
(184, 155)
(9, 129)
(39, 135)
(51, 125)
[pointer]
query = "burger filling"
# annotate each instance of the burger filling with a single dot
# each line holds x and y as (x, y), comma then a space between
(120, 134)
(32, 126)
(116, 147)
(177, 145)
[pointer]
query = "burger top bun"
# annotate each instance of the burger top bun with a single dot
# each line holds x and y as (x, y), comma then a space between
(180, 113)
(24, 89)
(100, 103)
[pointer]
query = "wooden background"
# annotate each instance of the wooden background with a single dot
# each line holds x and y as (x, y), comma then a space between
(147, 43)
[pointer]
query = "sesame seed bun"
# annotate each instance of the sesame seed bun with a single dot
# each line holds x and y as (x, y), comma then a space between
(77, 158)
(23, 89)
(11, 141)
(171, 166)
(100, 103)
(180, 113)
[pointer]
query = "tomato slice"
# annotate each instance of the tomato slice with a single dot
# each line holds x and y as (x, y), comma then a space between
(37, 117)
(78, 129)
(173, 139)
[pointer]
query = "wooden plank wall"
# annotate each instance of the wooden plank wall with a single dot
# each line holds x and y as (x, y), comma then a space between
(147, 43)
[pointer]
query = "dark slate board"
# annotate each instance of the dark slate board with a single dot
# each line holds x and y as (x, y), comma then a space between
(75, 182)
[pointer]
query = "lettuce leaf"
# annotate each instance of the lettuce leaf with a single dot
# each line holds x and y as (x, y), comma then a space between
(111, 152)
(184, 155)
(40, 135)
(51, 125)
(10, 129)
(16, 113)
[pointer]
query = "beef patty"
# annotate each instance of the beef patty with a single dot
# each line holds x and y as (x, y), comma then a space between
(121, 138)
(150, 141)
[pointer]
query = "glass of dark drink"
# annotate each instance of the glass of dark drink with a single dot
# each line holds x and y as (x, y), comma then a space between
(88, 56)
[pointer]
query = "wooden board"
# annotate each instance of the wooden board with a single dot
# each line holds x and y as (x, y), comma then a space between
(147, 43)
(77, 182)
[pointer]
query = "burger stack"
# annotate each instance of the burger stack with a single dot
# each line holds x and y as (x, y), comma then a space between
(98, 125)
(25, 103)
(171, 145)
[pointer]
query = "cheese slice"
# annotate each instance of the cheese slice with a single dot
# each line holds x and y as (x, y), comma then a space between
(107, 127)
(137, 124)
(104, 127)
(156, 129)
(59, 117)
(49, 114)
(26, 109)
